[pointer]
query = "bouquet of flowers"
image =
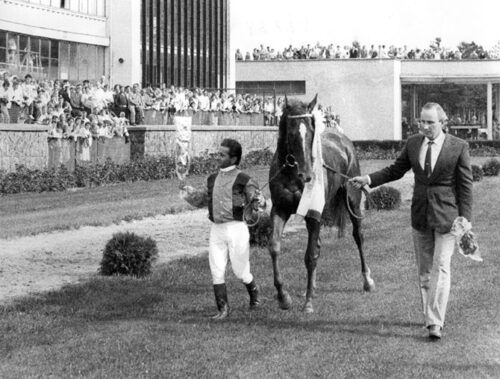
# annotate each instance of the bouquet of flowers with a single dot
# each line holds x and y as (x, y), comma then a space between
(466, 240)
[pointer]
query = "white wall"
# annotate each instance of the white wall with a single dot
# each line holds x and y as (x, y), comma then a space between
(463, 71)
(125, 32)
(49, 22)
(365, 93)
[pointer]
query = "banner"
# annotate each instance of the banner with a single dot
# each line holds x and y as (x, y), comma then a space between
(182, 146)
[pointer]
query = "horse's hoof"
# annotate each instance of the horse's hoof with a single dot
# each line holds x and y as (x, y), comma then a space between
(285, 301)
(369, 285)
(308, 308)
(313, 294)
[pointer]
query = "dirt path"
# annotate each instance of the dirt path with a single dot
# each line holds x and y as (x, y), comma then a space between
(47, 261)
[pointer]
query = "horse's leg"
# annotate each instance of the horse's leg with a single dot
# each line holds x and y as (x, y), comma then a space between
(311, 259)
(279, 221)
(357, 233)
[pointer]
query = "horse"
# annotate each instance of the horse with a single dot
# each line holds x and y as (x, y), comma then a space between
(291, 168)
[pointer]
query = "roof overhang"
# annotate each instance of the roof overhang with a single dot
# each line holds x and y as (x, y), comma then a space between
(431, 79)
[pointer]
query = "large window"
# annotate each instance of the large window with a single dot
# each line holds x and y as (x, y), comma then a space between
(90, 7)
(45, 58)
(279, 87)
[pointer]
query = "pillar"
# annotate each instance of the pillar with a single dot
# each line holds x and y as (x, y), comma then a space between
(489, 109)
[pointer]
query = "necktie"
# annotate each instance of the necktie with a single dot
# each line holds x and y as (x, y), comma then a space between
(428, 166)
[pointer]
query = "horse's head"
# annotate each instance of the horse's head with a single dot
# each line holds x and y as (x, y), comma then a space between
(296, 134)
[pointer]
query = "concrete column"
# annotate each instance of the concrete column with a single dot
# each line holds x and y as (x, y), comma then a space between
(497, 102)
(125, 34)
(397, 106)
(489, 109)
(413, 104)
(231, 74)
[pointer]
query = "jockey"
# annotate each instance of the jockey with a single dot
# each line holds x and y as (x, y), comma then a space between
(227, 194)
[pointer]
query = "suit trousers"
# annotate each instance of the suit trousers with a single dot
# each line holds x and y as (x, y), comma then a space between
(230, 240)
(433, 251)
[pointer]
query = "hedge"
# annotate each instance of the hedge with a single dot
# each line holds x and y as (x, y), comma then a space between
(389, 149)
(148, 168)
(24, 179)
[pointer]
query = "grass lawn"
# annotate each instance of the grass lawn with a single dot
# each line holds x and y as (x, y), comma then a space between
(158, 327)
(33, 213)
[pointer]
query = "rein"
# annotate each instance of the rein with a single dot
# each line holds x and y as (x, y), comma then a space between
(291, 162)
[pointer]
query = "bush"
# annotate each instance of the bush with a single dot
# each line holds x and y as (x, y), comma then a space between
(477, 173)
(107, 172)
(491, 167)
(261, 232)
(385, 197)
(257, 158)
(128, 254)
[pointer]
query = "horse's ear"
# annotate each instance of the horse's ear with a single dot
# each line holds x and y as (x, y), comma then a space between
(286, 101)
(312, 104)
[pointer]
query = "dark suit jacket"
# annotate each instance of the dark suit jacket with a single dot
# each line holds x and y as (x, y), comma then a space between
(437, 200)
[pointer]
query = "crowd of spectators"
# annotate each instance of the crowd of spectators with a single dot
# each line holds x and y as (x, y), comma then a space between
(355, 50)
(74, 109)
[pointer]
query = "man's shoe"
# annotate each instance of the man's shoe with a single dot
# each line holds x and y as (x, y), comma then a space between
(435, 332)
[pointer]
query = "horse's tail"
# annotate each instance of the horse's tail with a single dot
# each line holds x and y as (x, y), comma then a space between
(339, 211)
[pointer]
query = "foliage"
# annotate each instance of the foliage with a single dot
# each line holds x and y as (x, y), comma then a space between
(205, 163)
(372, 149)
(24, 179)
(384, 198)
(477, 173)
(150, 168)
(260, 233)
(494, 53)
(108, 172)
(128, 254)
(471, 50)
(491, 167)
(257, 158)
(389, 149)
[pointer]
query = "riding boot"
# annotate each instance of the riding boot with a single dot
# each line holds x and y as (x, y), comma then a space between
(253, 291)
(220, 292)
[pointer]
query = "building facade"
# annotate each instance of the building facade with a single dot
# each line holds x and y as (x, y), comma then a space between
(373, 96)
(185, 42)
(175, 42)
(65, 39)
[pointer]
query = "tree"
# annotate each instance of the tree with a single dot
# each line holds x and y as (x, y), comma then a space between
(494, 53)
(471, 50)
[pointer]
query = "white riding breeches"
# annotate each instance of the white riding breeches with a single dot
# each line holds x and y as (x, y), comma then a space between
(230, 240)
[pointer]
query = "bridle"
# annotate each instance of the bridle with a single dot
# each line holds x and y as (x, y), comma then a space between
(294, 163)
(290, 160)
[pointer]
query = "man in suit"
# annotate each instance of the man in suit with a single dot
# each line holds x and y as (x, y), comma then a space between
(442, 192)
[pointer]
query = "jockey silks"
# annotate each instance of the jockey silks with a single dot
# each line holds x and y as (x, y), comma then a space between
(229, 191)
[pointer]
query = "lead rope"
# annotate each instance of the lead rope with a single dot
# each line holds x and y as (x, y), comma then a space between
(365, 191)
(248, 207)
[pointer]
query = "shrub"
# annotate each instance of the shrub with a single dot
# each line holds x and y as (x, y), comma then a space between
(385, 197)
(491, 167)
(260, 233)
(477, 173)
(128, 254)
(257, 158)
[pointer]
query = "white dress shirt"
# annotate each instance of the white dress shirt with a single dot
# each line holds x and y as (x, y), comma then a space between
(435, 150)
